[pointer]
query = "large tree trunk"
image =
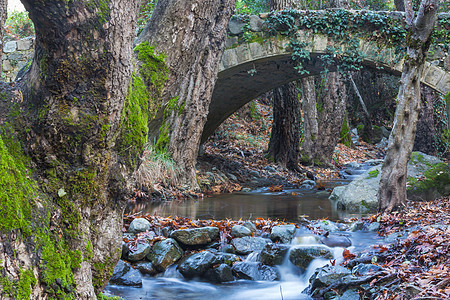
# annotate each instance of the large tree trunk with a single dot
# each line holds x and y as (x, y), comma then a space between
(392, 190)
(3, 16)
(62, 224)
(323, 122)
(195, 32)
(285, 137)
(310, 124)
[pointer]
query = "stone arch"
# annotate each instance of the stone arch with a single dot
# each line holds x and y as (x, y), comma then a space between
(251, 69)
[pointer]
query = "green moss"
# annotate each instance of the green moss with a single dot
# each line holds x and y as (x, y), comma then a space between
(345, 136)
(20, 289)
(104, 297)
(16, 188)
(143, 101)
(135, 119)
(105, 270)
(373, 174)
(437, 178)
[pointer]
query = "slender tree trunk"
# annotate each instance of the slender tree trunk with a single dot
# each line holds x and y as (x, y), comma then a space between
(392, 190)
(195, 32)
(3, 16)
(285, 137)
(63, 237)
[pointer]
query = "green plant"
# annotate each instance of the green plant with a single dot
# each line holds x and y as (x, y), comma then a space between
(18, 25)
(373, 174)
(249, 7)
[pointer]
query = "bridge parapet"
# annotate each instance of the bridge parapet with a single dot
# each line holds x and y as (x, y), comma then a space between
(259, 37)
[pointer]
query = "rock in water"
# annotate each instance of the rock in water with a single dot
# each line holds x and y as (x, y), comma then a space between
(197, 264)
(240, 231)
(124, 274)
(164, 254)
(139, 225)
(141, 251)
(246, 245)
(273, 254)
(255, 271)
(301, 256)
(196, 236)
(282, 233)
(222, 273)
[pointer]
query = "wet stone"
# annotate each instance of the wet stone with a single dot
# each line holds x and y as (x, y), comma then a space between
(333, 240)
(246, 245)
(238, 231)
(282, 233)
(196, 236)
(141, 251)
(255, 271)
(250, 226)
(125, 250)
(197, 264)
(364, 269)
(124, 274)
(301, 256)
(328, 275)
(164, 254)
(227, 248)
(139, 225)
(273, 254)
(146, 268)
(222, 273)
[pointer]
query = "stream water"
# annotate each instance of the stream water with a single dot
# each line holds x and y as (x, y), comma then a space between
(286, 205)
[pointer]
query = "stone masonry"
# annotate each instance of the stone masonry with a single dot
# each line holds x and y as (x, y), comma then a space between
(16, 54)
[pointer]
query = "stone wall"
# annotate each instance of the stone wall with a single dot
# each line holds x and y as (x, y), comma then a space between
(16, 54)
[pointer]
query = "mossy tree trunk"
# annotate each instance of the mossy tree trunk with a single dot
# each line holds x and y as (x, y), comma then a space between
(392, 190)
(194, 31)
(284, 144)
(60, 141)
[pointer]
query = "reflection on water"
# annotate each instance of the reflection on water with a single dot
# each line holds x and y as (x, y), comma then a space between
(287, 205)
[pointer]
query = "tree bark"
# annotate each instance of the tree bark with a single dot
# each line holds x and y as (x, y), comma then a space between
(392, 190)
(195, 33)
(330, 115)
(310, 124)
(3, 16)
(285, 137)
(67, 118)
(425, 140)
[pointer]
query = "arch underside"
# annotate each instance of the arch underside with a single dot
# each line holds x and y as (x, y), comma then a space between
(239, 84)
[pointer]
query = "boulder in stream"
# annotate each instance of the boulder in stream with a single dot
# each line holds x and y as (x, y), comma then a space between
(146, 268)
(335, 240)
(124, 274)
(255, 271)
(246, 245)
(140, 252)
(301, 256)
(196, 236)
(361, 194)
(197, 264)
(221, 273)
(326, 276)
(139, 225)
(165, 253)
(273, 254)
(282, 233)
(238, 231)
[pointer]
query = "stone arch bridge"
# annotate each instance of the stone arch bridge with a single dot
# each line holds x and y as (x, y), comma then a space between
(251, 69)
